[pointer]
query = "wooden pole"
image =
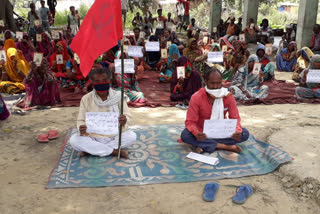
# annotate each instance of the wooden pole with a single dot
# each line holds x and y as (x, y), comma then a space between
(122, 92)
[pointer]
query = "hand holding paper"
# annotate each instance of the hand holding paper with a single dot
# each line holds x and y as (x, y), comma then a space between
(105, 123)
(220, 129)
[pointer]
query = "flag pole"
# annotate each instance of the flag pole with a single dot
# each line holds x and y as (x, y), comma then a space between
(122, 92)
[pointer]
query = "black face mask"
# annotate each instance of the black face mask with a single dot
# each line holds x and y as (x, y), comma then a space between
(102, 87)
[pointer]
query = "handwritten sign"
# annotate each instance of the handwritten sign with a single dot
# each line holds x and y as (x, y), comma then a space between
(181, 72)
(76, 58)
(37, 58)
(38, 38)
(164, 53)
(59, 59)
(205, 40)
(105, 123)
(169, 43)
(19, 35)
(313, 76)
(3, 55)
(37, 23)
(242, 37)
(135, 51)
(55, 35)
(224, 48)
(220, 129)
(269, 49)
(152, 46)
(257, 68)
(1, 23)
(204, 159)
(128, 66)
(215, 57)
(2, 36)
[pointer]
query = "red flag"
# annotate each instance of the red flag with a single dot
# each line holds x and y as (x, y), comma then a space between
(100, 30)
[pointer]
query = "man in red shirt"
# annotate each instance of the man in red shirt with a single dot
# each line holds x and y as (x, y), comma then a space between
(212, 102)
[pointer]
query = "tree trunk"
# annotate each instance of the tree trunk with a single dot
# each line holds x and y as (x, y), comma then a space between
(6, 14)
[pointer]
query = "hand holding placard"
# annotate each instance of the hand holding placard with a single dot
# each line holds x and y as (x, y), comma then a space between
(164, 53)
(257, 68)
(128, 66)
(220, 129)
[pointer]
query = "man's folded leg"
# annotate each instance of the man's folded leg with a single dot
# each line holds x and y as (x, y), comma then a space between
(208, 145)
(229, 141)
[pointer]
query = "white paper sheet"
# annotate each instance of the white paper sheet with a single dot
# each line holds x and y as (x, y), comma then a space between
(204, 159)
(128, 66)
(215, 57)
(242, 37)
(256, 68)
(164, 53)
(105, 123)
(152, 46)
(59, 59)
(181, 72)
(313, 76)
(19, 35)
(220, 129)
(37, 58)
(3, 55)
(38, 38)
(135, 51)
(55, 35)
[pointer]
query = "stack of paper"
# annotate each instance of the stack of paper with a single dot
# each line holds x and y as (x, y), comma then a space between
(204, 159)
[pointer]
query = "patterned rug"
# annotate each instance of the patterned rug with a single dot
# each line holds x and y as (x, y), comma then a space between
(157, 157)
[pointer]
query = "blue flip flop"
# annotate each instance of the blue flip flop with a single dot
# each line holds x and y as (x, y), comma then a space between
(242, 194)
(210, 190)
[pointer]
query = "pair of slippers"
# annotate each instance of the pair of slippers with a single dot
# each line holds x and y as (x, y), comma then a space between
(242, 194)
(45, 137)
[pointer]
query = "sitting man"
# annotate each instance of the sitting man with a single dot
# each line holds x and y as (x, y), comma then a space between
(101, 99)
(212, 102)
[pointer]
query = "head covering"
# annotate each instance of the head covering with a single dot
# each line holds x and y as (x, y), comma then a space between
(215, 45)
(251, 58)
(190, 42)
(22, 65)
(226, 42)
(173, 50)
(315, 58)
(9, 43)
(184, 61)
(307, 53)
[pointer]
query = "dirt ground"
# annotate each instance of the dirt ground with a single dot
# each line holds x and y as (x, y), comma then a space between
(25, 166)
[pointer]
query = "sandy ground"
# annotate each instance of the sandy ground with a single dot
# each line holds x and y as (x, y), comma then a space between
(26, 164)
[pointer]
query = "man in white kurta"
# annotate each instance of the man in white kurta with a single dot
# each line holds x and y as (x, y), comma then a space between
(96, 144)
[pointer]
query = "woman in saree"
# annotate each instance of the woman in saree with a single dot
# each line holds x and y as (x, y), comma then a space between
(183, 88)
(59, 70)
(27, 48)
(233, 59)
(174, 55)
(131, 86)
(223, 41)
(287, 59)
(41, 86)
(13, 72)
(267, 66)
(4, 113)
(303, 62)
(46, 46)
(247, 85)
(309, 90)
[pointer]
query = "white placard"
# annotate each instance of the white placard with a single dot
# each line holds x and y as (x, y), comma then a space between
(3, 55)
(19, 35)
(169, 43)
(204, 159)
(38, 38)
(302, 64)
(313, 76)
(257, 68)
(37, 58)
(205, 40)
(105, 123)
(1, 23)
(125, 48)
(59, 59)
(55, 35)
(181, 72)
(242, 37)
(269, 49)
(220, 129)
(164, 53)
(2, 36)
(251, 25)
(135, 51)
(76, 58)
(224, 48)
(152, 46)
(215, 57)
(128, 66)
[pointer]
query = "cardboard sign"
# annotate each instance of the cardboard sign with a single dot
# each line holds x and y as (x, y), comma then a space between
(215, 29)
(257, 68)
(242, 37)
(37, 58)
(37, 23)
(105, 123)
(219, 129)
(181, 72)
(205, 40)
(169, 43)
(128, 66)
(164, 53)
(55, 35)
(1, 23)
(38, 38)
(269, 49)
(135, 51)
(59, 59)
(76, 58)
(313, 76)
(125, 48)
(19, 35)
(302, 64)
(152, 46)
(2, 36)
(216, 57)
(224, 48)
(3, 55)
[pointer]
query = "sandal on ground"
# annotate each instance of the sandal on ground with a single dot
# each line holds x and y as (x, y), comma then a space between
(210, 191)
(242, 194)
(43, 138)
(53, 134)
